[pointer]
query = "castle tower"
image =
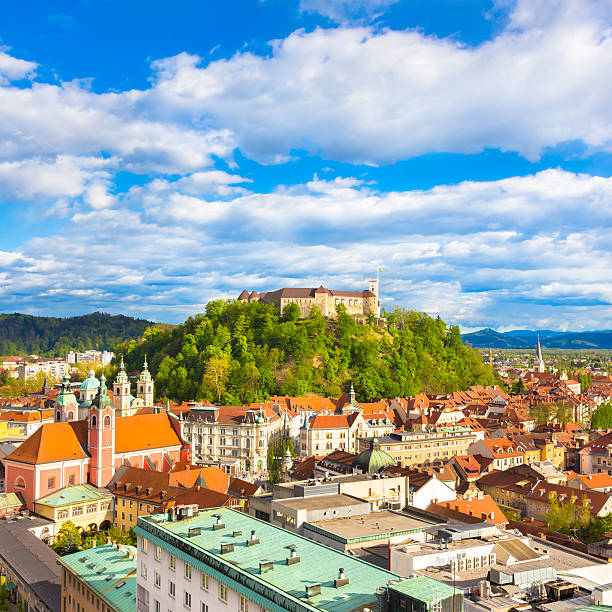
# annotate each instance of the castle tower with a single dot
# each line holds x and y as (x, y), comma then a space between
(373, 286)
(65, 407)
(122, 392)
(144, 385)
(539, 360)
(101, 437)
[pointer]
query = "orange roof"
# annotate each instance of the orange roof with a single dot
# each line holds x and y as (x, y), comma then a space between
(144, 431)
(332, 421)
(482, 509)
(51, 442)
(593, 481)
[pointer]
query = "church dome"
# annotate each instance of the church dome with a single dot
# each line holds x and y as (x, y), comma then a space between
(91, 383)
(373, 460)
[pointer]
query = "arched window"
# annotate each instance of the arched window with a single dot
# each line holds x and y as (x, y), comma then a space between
(94, 421)
(58, 416)
(20, 482)
(71, 416)
(107, 421)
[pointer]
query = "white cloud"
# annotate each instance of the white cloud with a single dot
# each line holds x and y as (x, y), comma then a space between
(343, 11)
(364, 96)
(12, 68)
(164, 253)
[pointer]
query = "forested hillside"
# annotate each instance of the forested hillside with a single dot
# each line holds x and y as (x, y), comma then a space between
(22, 334)
(239, 353)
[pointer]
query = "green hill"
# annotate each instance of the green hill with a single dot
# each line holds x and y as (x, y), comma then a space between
(22, 334)
(240, 353)
(522, 339)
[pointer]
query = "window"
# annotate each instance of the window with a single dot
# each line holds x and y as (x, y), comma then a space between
(62, 514)
(92, 508)
(171, 588)
(203, 607)
(157, 553)
(71, 479)
(143, 569)
(143, 545)
(77, 511)
(172, 561)
(244, 604)
(50, 483)
(157, 606)
(157, 579)
(20, 483)
(205, 581)
(187, 571)
(187, 599)
(222, 592)
(107, 421)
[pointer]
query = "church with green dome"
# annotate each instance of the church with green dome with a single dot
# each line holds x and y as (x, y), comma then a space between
(373, 460)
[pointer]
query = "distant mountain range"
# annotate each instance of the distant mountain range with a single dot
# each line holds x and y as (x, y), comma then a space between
(525, 339)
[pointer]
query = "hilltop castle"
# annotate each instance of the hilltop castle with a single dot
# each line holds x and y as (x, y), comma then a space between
(356, 302)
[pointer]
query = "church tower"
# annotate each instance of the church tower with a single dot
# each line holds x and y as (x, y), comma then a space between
(66, 406)
(101, 437)
(539, 360)
(144, 385)
(122, 396)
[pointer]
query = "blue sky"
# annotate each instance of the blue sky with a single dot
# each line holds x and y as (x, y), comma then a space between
(156, 156)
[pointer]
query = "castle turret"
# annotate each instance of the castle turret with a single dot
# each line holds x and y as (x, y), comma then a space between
(144, 385)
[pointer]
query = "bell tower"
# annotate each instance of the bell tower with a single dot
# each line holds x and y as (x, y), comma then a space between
(122, 392)
(65, 407)
(101, 437)
(144, 385)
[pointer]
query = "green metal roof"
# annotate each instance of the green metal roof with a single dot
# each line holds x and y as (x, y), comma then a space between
(425, 589)
(91, 383)
(103, 569)
(10, 500)
(281, 588)
(74, 495)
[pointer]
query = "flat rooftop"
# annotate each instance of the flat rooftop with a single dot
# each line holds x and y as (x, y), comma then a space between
(240, 568)
(319, 502)
(371, 526)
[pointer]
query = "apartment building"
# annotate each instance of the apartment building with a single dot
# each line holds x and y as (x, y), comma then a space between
(324, 433)
(234, 438)
(413, 448)
(102, 578)
(222, 559)
(52, 368)
(501, 451)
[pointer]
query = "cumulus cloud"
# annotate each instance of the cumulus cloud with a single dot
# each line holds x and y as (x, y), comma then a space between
(532, 250)
(360, 95)
(13, 68)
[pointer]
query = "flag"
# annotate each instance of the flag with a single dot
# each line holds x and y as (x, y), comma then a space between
(379, 269)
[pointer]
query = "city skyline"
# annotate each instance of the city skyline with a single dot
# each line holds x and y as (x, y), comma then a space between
(154, 159)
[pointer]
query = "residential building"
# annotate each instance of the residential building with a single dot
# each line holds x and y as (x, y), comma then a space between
(101, 357)
(601, 482)
(234, 438)
(140, 492)
(24, 422)
(10, 504)
(30, 566)
(102, 578)
(501, 450)
(538, 500)
(89, 508)
(216, 559)
(474, 510)
(423, 489)
(51, 368)
(414, 448)
(324, 433)
(596, 457)
(326, 300)
(507, 488)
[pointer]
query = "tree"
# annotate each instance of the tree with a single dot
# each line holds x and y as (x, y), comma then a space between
(542, 412)
(291, 312)
(518, 386)
(216, 375)
(602, 416)
(68, 539)
(564, 412)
